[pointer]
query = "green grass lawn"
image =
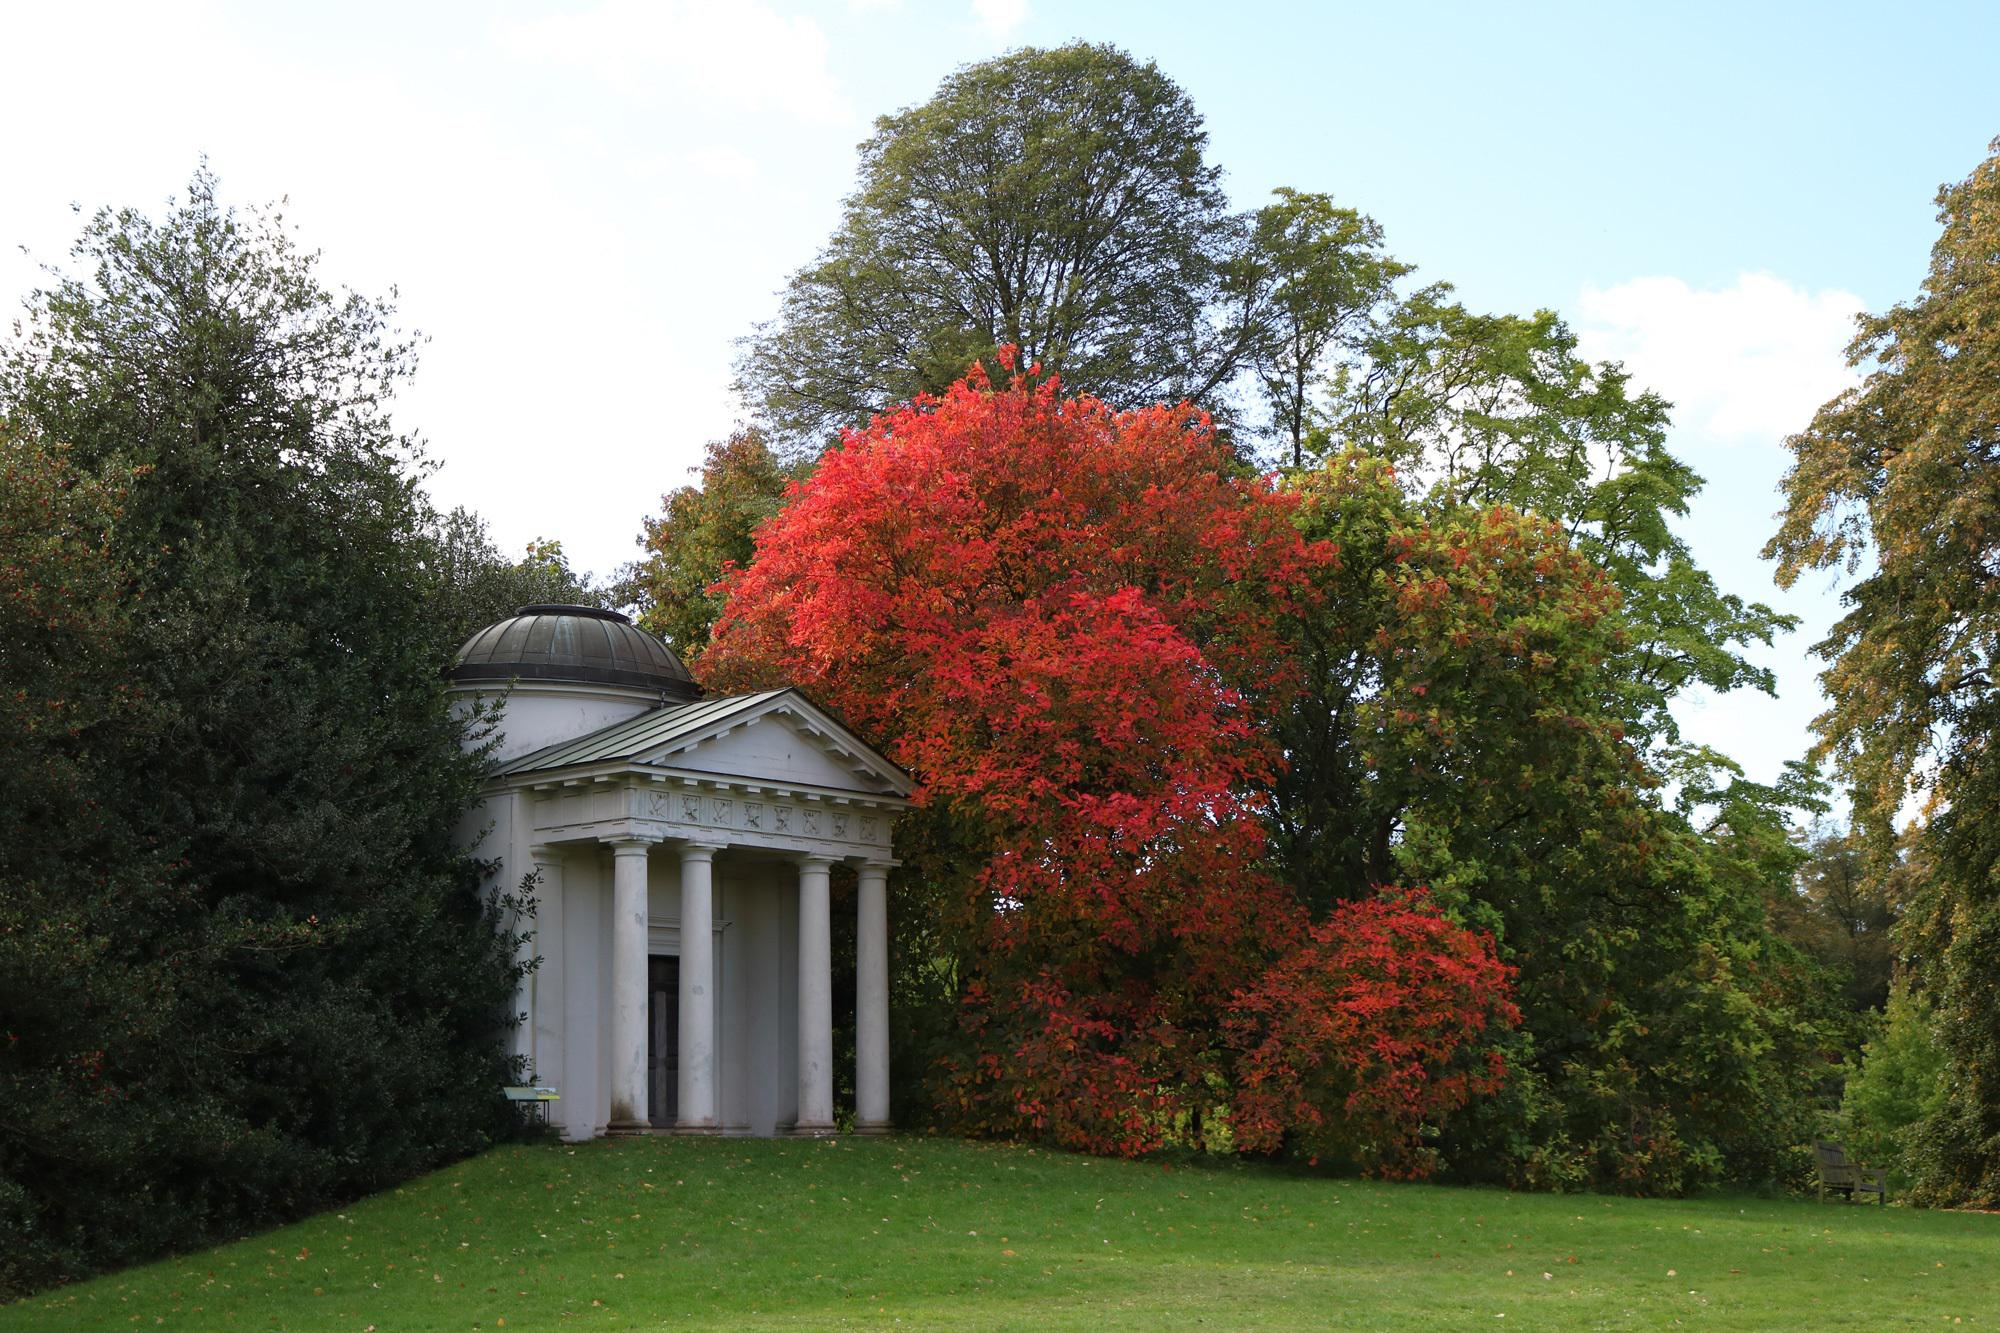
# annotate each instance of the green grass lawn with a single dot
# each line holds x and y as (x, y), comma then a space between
(742, 1233)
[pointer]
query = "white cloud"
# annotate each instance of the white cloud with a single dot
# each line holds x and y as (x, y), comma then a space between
(1748, 361)
(742, 55)
(1000, 17)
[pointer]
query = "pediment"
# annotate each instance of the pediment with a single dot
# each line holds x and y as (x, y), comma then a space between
(789, 744)
(778, 739)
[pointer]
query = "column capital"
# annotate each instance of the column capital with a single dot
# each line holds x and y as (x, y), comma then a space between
(815, 861)
(699, 851)
(882, 863)
(545, 853)
(627, 843)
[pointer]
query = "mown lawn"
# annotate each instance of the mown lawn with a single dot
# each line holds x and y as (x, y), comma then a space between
(686, 1232)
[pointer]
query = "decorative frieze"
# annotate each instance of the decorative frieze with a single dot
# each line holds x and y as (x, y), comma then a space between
(644, 804)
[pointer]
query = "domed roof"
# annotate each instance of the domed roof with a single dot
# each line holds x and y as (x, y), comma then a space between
(573, 643)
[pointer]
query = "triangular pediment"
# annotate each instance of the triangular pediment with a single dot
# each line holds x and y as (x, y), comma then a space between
(789, 743)
(778, 739)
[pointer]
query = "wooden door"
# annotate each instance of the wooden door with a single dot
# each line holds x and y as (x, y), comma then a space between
(663, 1040)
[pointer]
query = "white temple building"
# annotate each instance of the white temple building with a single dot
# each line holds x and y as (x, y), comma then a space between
(684, 846)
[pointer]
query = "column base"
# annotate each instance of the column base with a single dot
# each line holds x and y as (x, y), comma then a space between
(874, 1128)
(625, 1129)
(696, 1131)
(809, 1131)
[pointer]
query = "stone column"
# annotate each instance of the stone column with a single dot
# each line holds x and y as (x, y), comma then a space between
(545, 1051)
(696, 1088)
(516, 864)
(815, 1000)
(871, 1001)
(583, 980)
(628, 985)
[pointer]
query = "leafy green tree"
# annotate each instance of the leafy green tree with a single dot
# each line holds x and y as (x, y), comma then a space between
(477, 585)
(1896, 470)
(1329, 280)
(1903, 470)
(1500, 409)
(705, 530)
(91, 983)
(1900, 1085)
(1055, 200)
(1446, 654)
(1842, 914)
(332, 1010)
(1459, 726)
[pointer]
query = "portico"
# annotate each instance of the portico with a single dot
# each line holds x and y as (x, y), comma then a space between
(680, 948)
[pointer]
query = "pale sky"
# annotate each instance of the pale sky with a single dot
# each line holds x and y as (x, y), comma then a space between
(583, 205)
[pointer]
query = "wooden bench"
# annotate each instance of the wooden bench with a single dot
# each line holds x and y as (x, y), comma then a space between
(1847, 1178)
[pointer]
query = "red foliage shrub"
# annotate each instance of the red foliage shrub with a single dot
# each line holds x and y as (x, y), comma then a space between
(1366, 1033)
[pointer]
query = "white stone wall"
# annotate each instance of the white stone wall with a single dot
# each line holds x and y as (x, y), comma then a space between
(535, 714)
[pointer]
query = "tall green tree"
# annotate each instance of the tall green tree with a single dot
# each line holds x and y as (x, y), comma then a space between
(704, 530)
(339, 989)
(1481, 410)
(477, 584)
(1329, 281)
(1843, 914)
(1056, 200)
(1898, 480)
(1460, 726)
(93, 964)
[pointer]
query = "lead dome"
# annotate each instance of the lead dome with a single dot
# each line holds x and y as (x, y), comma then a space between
(580, 644)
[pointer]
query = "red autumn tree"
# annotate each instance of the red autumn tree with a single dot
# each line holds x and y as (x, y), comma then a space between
(1068, 623)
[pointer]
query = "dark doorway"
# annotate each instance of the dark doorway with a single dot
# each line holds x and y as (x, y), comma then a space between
(663, 1040)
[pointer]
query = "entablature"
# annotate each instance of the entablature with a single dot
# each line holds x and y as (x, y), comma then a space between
(657, 803)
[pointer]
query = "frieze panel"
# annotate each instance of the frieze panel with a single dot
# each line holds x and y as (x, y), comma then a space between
(801, 823)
